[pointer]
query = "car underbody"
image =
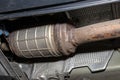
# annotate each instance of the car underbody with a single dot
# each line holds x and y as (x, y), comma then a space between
(60, 40)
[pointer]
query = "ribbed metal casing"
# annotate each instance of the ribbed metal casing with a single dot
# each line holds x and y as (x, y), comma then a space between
(34, 42)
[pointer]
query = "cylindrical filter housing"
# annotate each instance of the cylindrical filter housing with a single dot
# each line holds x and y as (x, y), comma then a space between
(59, 39)
(34, 42)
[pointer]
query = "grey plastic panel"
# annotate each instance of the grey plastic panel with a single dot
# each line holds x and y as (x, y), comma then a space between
(112, 71)
(96, 61)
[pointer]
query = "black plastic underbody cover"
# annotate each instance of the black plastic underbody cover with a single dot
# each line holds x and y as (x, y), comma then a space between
(22, 8)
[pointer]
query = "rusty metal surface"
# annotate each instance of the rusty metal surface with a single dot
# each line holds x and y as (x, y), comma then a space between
(63, 40)
(96, 32)
(60, 39)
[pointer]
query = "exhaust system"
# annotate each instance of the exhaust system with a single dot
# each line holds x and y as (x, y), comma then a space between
(59, 39)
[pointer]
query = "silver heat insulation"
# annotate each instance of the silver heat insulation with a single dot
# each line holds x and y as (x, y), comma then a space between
(34, 42)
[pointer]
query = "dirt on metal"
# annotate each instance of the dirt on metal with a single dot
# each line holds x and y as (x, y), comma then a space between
(62, 39)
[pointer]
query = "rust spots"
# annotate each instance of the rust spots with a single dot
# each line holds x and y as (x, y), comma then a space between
(108, 35)
(98, 36)
(117, 31)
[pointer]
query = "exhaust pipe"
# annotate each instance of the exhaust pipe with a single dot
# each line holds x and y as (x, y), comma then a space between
(59, 39)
